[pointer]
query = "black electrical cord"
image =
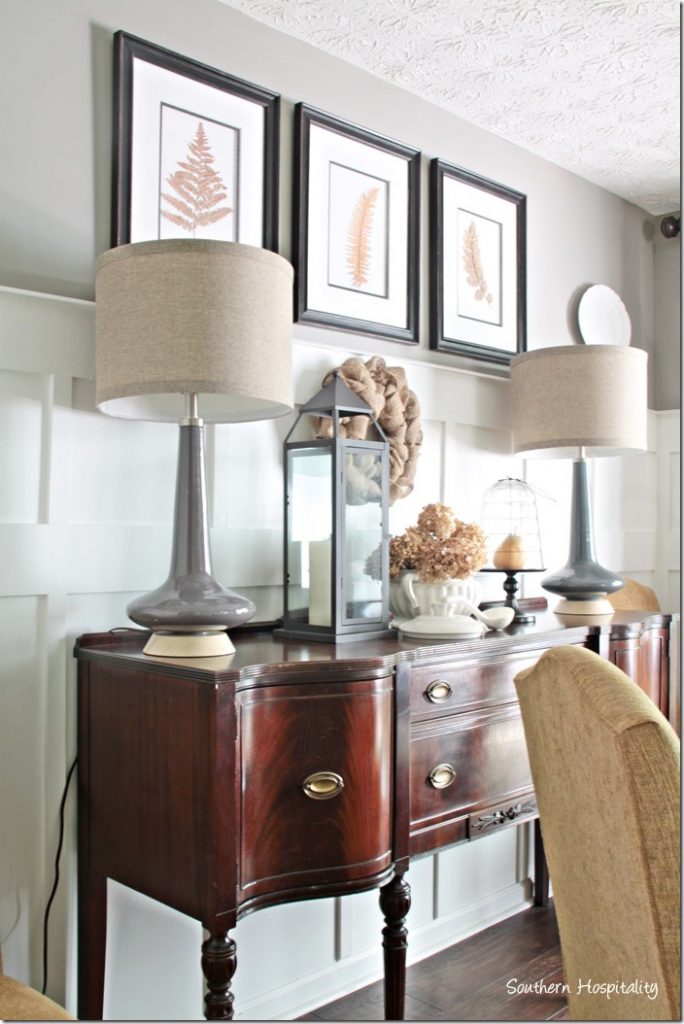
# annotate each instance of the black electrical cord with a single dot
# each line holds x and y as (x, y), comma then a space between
(46, 917)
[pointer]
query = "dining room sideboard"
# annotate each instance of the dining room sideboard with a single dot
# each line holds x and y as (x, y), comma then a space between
(293, 770)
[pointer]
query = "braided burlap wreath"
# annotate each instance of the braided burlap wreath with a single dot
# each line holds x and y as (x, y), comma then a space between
(396, 409)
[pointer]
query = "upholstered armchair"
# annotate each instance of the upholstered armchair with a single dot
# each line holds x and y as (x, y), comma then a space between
(19, 1002)
(634, 597)
(605, 765)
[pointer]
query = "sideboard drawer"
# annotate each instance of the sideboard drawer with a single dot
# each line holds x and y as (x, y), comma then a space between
(458, 687)
(468, 761)
(316, 783)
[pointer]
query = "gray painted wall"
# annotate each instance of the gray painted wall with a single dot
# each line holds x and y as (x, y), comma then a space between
(55, 74)
(668, 282)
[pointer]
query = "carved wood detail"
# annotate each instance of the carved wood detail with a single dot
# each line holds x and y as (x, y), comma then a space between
(219, 960)
(395, 903)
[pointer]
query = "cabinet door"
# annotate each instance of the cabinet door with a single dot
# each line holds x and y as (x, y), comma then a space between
(645, 659)
(316, 785)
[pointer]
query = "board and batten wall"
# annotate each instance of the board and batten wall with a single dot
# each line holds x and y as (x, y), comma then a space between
(667, 373)
(84, 525)
(86, 501)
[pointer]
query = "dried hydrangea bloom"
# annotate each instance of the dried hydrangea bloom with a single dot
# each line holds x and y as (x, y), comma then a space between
(373, 566)
(404, 551)
(472, 545)
(455, 557)
(440, 547)
(436, 521)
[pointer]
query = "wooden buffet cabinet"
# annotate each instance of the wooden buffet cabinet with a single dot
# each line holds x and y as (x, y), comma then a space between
(292, 771)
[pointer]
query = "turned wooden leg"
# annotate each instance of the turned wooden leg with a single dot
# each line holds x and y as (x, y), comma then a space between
(395, 902)
(219, 960)
(92, 939)
(541, 870)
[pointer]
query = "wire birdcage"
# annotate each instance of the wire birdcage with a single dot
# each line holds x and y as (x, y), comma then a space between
(511, 525)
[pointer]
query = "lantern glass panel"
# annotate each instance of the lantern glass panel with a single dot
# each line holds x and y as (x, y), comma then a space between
(309, 533)
(363, 534)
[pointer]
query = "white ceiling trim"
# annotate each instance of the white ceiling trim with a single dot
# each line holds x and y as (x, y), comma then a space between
(592, 85)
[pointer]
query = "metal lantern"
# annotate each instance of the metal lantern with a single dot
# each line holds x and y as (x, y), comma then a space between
(336, 522)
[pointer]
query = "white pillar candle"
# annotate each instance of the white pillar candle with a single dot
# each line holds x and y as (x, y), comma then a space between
(320, 578)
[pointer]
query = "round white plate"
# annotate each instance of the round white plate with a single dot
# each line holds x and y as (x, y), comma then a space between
(440, 627)
(602, 317)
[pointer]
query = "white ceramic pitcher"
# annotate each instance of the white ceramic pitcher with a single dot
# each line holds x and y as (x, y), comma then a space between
(444, 597)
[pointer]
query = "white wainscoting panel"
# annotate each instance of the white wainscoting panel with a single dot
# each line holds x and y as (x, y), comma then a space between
(85, 525)
(668, 561)
(429, 480)
(122, 472)
(466, 872)
(22, 398)
(22, 781)
(150, 959)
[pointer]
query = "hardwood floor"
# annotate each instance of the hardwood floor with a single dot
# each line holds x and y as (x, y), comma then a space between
(468, 981)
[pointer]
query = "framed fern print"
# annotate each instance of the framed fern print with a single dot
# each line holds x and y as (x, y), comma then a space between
(477, 272)
(355, 228)
(195, 150)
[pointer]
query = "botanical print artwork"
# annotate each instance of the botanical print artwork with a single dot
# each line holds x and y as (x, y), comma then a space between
(479, 268)
(472, 263)
(198, 177)
(196, 189)
(196, 150)
(358, 236)
(477, 298)
(355, 237)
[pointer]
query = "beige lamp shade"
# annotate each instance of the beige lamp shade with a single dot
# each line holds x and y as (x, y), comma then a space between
(192, 316)
(589, 396)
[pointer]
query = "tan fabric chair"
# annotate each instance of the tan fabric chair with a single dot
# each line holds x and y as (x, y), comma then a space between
(605, 766)
(19, 1002)
(634, 597)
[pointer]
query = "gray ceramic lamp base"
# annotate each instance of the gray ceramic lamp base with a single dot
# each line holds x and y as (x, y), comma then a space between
(582, 583)
(190, 613)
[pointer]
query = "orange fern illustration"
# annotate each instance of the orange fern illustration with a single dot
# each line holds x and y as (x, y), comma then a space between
(359, 251)
(199, 188)
(472, 261)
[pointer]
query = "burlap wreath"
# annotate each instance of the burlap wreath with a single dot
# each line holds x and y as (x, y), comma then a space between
(396, 409)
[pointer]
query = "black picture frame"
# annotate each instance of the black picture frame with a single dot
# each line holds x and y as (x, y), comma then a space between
(305, 311)
(514, 320)
(127, 48)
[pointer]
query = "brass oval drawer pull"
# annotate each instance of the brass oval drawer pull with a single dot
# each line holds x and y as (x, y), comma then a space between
(438, 691)
(323, 785)
(441, 776)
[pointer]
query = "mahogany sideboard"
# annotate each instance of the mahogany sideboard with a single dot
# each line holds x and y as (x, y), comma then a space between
(294, 770)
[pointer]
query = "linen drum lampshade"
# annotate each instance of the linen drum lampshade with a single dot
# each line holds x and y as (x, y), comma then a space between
(194, 317)
(580, 400)
(580, 396)
(187, 327)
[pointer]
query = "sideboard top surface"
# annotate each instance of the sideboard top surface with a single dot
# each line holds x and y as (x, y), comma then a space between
(259, 657)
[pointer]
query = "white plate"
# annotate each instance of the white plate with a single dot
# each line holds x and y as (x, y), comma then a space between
(602, 317)
(440, 627)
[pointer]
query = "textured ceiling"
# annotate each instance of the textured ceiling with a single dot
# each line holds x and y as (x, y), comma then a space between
(592, 85)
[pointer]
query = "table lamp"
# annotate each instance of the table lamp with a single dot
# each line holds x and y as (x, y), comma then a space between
(188, 327)
(580, 400)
